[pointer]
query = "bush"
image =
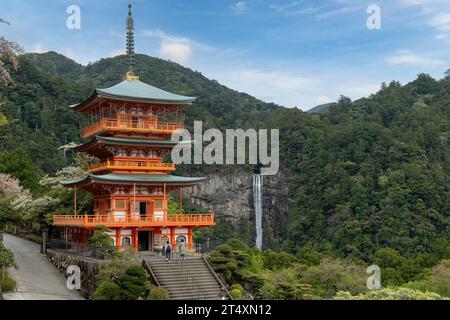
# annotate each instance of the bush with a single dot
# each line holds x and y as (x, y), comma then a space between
(103, 243)
(112, 270)
(7, 284)
(158, 293)
(236, 294)
(6, 260)
(133, 283)
(308, 256)
(121, 278)
(390, 294)
(237, 291)
(108, 290)
(333, 275)
(277, 260)
(438, 280)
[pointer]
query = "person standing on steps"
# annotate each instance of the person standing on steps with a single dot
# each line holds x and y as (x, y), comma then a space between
(168, 251)
(183, 251)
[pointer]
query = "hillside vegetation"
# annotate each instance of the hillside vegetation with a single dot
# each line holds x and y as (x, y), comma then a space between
(370, 178)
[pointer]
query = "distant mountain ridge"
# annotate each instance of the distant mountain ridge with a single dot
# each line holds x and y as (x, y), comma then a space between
(322, 108)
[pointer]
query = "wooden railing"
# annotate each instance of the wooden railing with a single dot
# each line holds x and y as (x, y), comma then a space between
(131, 165)
(131, 125)
(136, 220)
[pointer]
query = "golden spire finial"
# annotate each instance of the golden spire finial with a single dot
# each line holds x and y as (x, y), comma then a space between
(130, 47)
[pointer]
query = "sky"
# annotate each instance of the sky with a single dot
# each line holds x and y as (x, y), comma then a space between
(296, 53)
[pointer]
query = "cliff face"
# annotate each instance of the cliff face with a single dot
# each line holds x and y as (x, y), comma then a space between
(231, 197)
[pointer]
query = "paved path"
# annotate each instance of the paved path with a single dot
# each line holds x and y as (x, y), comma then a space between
(36, 278)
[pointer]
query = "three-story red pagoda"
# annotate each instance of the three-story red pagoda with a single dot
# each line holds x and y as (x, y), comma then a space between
(129, 126)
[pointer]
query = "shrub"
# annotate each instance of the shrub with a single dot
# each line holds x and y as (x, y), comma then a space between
(333, 275)
(308, 256)
(112, 270)
(437, 280)
(277, 260)
(158, 293)
(108, 290)
(133, 283)
(7, 284)
(103, 242)
(237, 245)
(390, 294)
(237, 291)
(236, 294)
(6, 260)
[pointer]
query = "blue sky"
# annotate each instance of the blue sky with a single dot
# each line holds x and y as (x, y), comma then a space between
(293, 52)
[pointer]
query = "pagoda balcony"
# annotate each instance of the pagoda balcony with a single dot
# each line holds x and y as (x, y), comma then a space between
(131, 125)
(131, 166)
(111, 221)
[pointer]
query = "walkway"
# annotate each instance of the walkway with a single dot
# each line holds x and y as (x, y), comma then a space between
(36, 278)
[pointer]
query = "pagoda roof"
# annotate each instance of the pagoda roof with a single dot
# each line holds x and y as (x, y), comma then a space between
(141, 179)
(129, 142)
(135, 90)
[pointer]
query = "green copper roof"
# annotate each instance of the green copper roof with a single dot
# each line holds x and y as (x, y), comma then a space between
(141, 179)
(136, 90)
(135, 142)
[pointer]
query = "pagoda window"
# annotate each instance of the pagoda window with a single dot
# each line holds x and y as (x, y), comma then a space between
(120, 204)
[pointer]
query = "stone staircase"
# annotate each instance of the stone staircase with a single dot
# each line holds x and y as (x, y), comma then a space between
(192, 279)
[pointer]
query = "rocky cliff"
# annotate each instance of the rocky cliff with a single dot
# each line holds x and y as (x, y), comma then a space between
(231, 197)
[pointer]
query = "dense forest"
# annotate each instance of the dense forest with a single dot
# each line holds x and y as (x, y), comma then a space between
(371, 177)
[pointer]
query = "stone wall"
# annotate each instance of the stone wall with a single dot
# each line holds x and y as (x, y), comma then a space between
(89, 269)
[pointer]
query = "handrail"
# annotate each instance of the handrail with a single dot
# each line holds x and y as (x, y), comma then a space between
(217, 278)
(152, 274)
(129, 220)
(125, 164)
(130, 124)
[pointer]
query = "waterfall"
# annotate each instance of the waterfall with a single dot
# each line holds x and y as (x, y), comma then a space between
(257, 203)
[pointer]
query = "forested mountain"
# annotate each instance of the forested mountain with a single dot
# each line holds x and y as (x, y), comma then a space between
(321, 108)
(368, 174)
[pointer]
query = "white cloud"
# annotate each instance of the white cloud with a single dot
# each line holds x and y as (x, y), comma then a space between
(38, 47)
(239, 7)
(441, 22)
(176, 51)
(116, 52)
(176, 48)
(280, 87)
(329, 14)
(70, 54)
(404, 57)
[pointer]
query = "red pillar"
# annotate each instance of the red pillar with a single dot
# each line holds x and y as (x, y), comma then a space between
(118, 238)
(172, 237)
(190, 238)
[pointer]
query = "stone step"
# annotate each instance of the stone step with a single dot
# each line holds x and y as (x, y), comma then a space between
(185, 276)
(184, 267)
(179, 265)
(191, 279)
(189, 289)
(196, 297)
(195, 284)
